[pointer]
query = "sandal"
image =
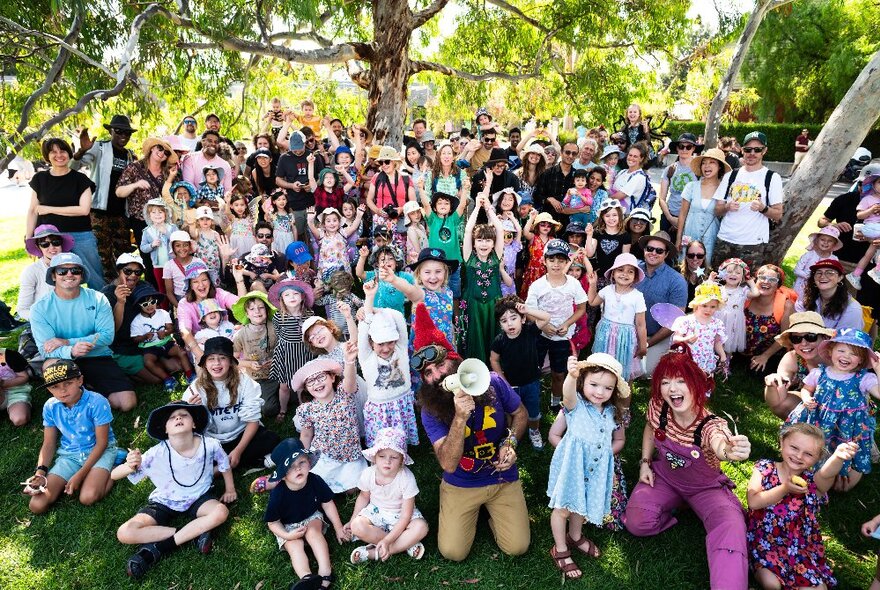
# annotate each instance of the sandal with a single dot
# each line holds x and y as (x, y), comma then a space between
(327, 581)
(140, 563)
(362, 554)
(566, 568)
(417, 551)
(591, 550)
(307, 582)
(258, 486)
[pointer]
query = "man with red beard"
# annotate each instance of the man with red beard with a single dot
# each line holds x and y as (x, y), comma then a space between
(474, 438)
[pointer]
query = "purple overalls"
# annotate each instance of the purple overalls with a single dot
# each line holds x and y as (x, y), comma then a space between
(682, 475)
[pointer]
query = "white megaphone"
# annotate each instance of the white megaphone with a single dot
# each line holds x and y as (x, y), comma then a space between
(472, 378)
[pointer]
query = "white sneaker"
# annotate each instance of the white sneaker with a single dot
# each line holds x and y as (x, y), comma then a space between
(874, 273)
(855, 281)
(555, 402)
(268, 462)
(535, 439)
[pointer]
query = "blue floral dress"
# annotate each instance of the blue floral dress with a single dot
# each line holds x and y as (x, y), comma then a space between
(582, 468)
(785, 538)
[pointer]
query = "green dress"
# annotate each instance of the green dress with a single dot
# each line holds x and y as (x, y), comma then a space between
(482, 287)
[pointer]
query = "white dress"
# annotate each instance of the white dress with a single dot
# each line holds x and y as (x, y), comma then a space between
(733, 316)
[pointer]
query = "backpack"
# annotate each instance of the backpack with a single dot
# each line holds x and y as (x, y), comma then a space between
(648, 196)
(767, 178)
(457, 183)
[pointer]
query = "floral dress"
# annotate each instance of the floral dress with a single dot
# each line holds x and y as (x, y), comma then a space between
(282, 231)
(208, 250)
(535, 269)
(785, 538)
(703, 350)
(241, 236)
(481, 289)
(760, 332)
(333, 253)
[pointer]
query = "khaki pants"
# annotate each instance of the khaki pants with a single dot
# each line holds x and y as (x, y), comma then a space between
(459, 508)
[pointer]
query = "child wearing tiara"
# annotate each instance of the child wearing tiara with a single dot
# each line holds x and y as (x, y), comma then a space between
(737, 285)
(785, 543)
(823, 244)
(835, 397)
(582, 469)
(622, 331)
(385, 514)
(701, 330)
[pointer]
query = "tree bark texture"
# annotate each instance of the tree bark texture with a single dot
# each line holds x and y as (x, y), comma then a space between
(844, 131)
(389, 71)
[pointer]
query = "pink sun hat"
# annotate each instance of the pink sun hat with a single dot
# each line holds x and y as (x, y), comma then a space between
(43, 231)
(393, 439)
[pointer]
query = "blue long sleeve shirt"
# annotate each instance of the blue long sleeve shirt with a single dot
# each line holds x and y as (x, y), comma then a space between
(88, 318)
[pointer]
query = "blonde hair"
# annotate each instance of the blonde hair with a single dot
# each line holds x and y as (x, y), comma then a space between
(418, 275)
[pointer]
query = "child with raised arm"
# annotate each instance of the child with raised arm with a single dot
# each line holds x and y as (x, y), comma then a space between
(514, 356)
(385, 514)
(181, 468)
(295, 515)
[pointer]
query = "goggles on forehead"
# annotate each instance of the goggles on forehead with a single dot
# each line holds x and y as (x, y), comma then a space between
(427, 355)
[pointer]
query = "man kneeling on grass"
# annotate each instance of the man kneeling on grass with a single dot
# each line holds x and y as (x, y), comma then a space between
(181, 467)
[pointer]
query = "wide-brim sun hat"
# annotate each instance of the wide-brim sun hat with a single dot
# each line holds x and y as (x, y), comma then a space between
(239, 310)
(803, 322)
(159, 417)
(120, 122)
(607, 362)
(151, 142)
(626, 259)
(410, 207)
(280, 287)
(496, 156)
(612, 149)
(196, 268)
(533, 148)
(714, 154)
(546, 217)
(852, 337)
(436, 254)
(65, 258)
(453, 200)
(285, 454)
(496, 197)
(831, 232)
(706, 292)
(392, 439)
(660, 236)
(311, 368)
(43, 231)
(389, 153)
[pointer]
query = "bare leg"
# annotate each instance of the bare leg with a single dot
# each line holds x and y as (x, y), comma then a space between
(95, 486)
(124, 401)
(559, 524)
(151, 362)
(54, 488)
(316, 540)
(209, 516)
(142, 528)
(767, 579)
(19, 413)
(296, 549)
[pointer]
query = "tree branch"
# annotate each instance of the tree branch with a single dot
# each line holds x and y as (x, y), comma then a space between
(429, 66)
(123, 77)
(423, 16)
(518, 13)
(53, 75)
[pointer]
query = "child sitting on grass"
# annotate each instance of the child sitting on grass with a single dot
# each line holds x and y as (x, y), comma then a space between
(296, 512)
(385, 514)
(87, 450)
(181, 467)
(153, 331)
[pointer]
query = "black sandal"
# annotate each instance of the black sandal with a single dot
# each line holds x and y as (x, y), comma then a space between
(145, 558)
(329, 579)
(307, 582)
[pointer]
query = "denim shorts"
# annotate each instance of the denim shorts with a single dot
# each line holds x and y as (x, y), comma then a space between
(67, 464)
(530, 395)
(455, 283)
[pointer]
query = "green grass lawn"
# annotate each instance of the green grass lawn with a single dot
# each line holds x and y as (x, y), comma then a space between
(75, 547)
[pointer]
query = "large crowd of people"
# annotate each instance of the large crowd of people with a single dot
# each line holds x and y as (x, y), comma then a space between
(353, 290)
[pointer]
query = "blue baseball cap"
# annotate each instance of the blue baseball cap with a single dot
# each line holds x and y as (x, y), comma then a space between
(557, 247)
(297, 253)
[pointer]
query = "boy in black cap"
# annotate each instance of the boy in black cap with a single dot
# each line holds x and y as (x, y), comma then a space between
(296, 511)
(181, 467)
(77, 421)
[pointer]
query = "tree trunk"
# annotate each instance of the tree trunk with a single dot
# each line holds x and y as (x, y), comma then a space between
(389, 71)
(713, 120)
(842, 134)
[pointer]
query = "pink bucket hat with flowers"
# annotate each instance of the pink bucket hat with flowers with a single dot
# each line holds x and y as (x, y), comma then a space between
(828, 230)
(393, 439)
(626, 259)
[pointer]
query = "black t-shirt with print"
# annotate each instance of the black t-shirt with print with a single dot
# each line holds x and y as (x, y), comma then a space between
(62, 191)
(115, 205)
(608, 246)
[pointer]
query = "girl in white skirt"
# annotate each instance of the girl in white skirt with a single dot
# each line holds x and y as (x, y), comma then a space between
(622, 331)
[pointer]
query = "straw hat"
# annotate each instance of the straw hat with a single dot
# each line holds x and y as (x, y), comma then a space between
(803, 322)
(609, 363)
(388, 153)
(544, 216)
(715, 154)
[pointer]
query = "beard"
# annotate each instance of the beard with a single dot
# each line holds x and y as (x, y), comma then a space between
(440, 403)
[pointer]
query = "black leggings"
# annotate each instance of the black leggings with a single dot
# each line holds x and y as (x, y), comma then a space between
(261, 445)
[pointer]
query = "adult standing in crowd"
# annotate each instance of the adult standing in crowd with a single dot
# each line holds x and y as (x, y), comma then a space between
(534, 162)
(195, 162)
(142, 181)
(497, 173)
(662, 284)
(747, 200)
(212, 123)
(675, 178)
(587, 154)
(263, 142)
(188, 138)
(388, 192)
(475, 439)
(107, 159)
(696, 219)
(292, 174)
(478, 151)
(76, 323)
(826, 294)
(554, 182)
(801, 147)
(63, 198)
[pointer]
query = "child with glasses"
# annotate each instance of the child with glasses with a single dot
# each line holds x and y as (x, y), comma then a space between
(153, 331)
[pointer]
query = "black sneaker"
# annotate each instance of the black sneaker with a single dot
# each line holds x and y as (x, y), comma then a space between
(143, 560)
(205, 543)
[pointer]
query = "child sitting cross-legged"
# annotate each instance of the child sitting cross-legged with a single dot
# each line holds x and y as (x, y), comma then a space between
(295, 514)
(181, 467)
(153, 331)
(385, 514)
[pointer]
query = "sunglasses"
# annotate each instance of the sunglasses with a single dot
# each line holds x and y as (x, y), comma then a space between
(569, 152)
(487, 139)
(619, 142)
(149, 302)
(122, 132)
(428, 355)
(75, 271)
(655, 249)
(163, 150)
(316, 379)
(263, 235)
(695, 255)
(685, 146)
(132, 272)
(50, 242)
(383, 162)
(189, 122)
(798, 338)
(753, 150)
(767, 279)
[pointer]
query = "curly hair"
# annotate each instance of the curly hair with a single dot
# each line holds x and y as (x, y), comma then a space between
(620, 405)
(507, 303)
(833, 308)
(205, 384)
